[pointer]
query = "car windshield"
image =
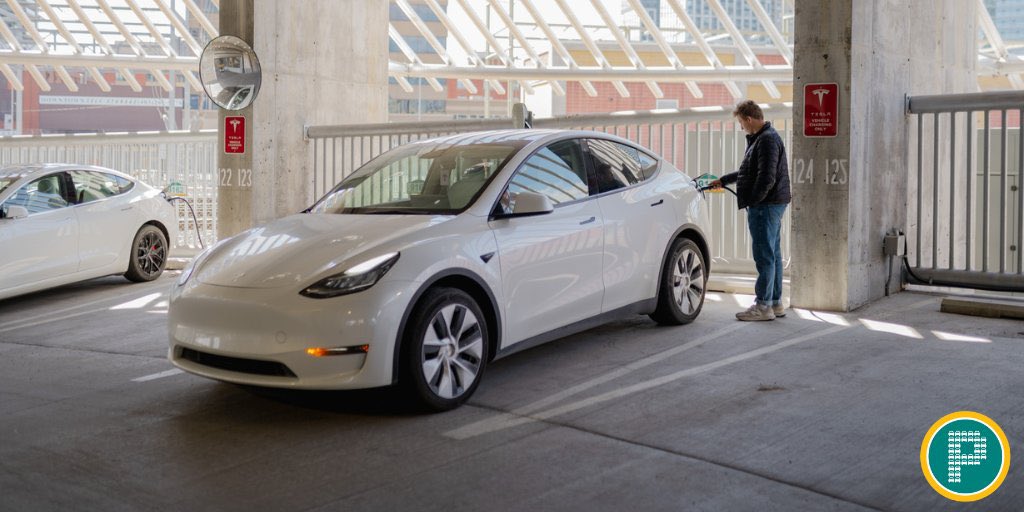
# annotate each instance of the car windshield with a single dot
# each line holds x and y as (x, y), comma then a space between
(424, 178)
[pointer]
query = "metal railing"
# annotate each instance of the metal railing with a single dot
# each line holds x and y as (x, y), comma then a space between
(970, 234)
(697, 141)
(158, 159)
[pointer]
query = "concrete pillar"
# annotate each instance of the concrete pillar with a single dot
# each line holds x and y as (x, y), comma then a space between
(877, 51)
(234, 195)
(324, 62)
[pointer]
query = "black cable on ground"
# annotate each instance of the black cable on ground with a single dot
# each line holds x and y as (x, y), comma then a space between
(888, 277)
(915, 279)
(194, 219)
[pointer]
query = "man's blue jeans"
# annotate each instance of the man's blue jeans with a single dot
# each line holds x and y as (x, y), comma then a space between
(765, 224)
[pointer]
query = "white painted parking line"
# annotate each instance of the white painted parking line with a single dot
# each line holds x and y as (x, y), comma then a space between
(57, 312)
(508, 420)
(168, 373)
(627, 369)
(51, 320)
(57, 316)
(138, 303)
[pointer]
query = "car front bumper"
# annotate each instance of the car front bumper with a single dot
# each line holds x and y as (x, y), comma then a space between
(260, 336)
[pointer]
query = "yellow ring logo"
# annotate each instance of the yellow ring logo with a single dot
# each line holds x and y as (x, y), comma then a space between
(965, 456)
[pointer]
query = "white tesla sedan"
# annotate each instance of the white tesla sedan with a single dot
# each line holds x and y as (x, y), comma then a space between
(64, 223)
(439, 256)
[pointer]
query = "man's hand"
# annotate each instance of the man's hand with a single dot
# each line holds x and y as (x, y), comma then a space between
(715, 185)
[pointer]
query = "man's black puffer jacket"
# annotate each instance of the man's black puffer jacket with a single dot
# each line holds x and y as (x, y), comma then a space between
(763, 177)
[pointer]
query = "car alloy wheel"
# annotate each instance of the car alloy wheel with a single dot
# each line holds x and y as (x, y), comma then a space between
(688, 281)
(149, 255)
(445, 349)
(683, 283)
(452, 351)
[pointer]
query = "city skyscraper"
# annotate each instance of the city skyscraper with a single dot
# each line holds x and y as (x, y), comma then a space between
(1008, 16)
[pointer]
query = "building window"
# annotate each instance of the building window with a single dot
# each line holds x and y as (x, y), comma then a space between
(413, 106)
(422, 10)
(418, 44)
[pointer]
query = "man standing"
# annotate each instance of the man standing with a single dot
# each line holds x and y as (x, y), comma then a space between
(762, 187)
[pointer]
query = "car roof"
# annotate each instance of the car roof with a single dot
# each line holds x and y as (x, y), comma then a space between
(32, 170)
(516, 137)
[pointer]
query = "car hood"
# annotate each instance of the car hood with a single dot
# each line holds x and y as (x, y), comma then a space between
(297, 249)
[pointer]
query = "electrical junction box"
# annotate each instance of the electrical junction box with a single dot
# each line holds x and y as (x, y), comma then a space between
(893, 245)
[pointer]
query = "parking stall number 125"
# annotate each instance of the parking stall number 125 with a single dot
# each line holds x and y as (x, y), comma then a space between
(835, 172)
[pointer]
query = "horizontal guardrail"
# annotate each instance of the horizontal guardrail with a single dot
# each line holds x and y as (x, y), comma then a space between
(696, 140)
(966, 220)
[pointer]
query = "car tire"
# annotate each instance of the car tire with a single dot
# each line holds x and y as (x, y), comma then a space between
(148, 256)
(683, 284)
(441, 371)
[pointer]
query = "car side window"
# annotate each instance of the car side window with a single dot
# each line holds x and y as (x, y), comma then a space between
(40, 195)
(556, 171)
(615, 165)
(91, 186)
(123, 184)
(648, 164)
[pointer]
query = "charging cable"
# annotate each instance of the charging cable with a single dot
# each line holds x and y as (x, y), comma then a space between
(194, 219)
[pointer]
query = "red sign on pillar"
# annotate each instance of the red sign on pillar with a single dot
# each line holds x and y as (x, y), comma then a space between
(234, 134)
(821, 110)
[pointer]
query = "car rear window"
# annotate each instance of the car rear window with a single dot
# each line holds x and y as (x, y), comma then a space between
(92, 186)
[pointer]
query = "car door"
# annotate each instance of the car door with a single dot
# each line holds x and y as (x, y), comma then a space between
(638, 221)
(550, 263)
(44, 245)
(107, 221)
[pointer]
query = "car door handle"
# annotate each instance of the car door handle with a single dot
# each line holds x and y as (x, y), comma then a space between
(126, 209)
(660, 201)
(588, 221)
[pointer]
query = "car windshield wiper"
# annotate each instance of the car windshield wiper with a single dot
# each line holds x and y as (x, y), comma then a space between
(397, 211)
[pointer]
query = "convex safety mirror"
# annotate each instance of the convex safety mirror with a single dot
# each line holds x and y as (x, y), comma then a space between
(230, 72)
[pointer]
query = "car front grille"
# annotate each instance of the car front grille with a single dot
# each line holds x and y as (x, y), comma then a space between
(237, 364)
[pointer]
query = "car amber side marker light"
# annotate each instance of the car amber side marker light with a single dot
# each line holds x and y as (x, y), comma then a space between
(337, 351)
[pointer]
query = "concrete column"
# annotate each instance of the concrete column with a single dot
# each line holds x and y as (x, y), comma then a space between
(324, 62)
(234, 196)
(877, 51)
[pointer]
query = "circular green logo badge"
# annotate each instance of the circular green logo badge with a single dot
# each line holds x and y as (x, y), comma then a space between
(965, 456)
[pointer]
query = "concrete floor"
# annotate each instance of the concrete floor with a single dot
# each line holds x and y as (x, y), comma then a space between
(810, 412)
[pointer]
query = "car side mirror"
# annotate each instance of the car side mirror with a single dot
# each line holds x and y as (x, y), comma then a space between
(15, 212)
(527, 204)
(530, 203)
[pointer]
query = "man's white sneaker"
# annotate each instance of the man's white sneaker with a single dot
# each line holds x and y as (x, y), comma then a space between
(778, 310)
(756, 313)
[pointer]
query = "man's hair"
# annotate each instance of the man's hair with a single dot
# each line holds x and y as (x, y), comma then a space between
(748, 109)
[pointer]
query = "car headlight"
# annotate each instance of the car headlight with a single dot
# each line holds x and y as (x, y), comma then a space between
(355, 279)
(192, 266)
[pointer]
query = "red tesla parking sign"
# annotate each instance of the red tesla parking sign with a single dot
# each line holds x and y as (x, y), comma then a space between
(821, 110)
(234, 134)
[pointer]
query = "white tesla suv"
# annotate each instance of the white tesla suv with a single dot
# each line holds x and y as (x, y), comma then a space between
(440, 256)
(62, 223)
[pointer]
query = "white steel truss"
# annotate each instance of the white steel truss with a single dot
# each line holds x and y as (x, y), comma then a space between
(504, 41)
(104, 40)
